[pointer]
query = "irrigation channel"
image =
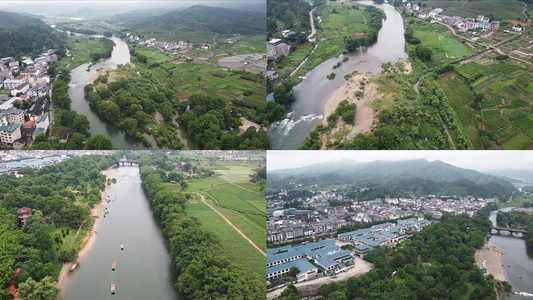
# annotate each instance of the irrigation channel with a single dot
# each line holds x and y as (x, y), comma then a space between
(311, 94)
(143, 269)
(80, 77)
(518, 257)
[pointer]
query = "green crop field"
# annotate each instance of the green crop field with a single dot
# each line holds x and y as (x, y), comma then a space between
(506, 109)
(246, 210)
(526, 124)
(230, 200)
(248, 185)
(518, 141)
(237, 248)
(252, 226)
(210, 183)
(460, 97)
(235, 173)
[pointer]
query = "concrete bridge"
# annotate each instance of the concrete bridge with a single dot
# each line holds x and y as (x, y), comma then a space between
(511, 230)
(128, 162)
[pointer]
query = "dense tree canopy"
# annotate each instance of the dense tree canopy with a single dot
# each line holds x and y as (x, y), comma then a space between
(203, 268)
(48, 192)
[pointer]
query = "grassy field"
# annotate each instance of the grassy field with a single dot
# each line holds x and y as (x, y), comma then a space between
(444, 45)
(237, 249)
(81, 48)
(500, 9)
(154, 54)
(339, 21)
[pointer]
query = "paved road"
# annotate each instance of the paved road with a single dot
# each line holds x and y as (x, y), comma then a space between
(313, 31)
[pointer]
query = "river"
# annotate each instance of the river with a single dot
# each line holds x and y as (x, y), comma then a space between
(518, 256)
(80, 77)
(311, 94)
(144, 269)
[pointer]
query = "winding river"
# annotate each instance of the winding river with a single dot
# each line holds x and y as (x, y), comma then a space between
(518, 256)
(311, 94)
(80, 77)
(143, 269)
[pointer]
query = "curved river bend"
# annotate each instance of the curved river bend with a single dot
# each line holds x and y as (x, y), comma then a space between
(80, 77)
(144, 269)
(311, 94)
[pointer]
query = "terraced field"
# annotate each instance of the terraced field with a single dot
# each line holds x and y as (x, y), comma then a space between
(506, 109)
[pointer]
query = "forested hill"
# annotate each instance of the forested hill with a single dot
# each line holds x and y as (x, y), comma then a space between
(414, 176)
(23, 35)
(206, 18)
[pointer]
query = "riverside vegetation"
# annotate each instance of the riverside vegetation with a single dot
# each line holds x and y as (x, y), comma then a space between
(205, 272)
(40, 248)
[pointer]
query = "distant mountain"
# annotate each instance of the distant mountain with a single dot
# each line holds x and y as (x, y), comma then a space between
(10, 21)
(514, 174)
(24, 35)
(205, 18)
(139, 14)
(411, 176)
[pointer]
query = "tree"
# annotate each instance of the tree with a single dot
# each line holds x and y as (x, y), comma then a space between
(75, 140)
(81, 124)
(41, 137)
(423, 52)
(99, 142)
(274, 111)
(112, 112)
(46, 289)
(294, 271)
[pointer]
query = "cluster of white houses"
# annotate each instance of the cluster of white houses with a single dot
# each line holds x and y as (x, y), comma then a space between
(462, 24)
(167, 46)
(23, 103)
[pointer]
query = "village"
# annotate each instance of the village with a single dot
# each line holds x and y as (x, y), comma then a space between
(461, 24)
(25, 99)
(164, 46)
(328, 211)
(316, 246)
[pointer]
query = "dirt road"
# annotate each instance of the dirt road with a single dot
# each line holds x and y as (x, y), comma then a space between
(234, 227)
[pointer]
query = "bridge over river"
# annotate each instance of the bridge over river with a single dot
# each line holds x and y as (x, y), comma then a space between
(511, 230)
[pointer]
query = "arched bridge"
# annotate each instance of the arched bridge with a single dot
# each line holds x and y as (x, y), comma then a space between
(128, 162)
(511, 230)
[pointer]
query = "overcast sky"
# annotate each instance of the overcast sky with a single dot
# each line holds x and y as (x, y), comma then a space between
(482, 160)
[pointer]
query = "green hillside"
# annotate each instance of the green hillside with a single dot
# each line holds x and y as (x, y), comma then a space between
(22, 35)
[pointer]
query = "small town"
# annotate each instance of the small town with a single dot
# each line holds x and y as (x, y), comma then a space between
(328, 211)
(11, 162)
(25, 99)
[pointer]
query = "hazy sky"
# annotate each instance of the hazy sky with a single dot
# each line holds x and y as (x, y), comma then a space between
(478, 160)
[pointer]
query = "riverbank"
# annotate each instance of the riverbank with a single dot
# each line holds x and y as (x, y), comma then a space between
(89, 240)
(492, 255)
(364, 113)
